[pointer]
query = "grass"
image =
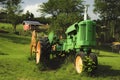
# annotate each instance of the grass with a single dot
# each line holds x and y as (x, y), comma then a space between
(15, 63)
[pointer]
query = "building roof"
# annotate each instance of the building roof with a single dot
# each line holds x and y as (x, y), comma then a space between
(36, 23)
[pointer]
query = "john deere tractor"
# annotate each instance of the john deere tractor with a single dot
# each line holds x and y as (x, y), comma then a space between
(80, 38)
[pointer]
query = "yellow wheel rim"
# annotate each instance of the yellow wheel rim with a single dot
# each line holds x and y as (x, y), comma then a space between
(38, 53)
(79, 64)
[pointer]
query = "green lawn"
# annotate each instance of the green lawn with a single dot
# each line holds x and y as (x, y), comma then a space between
(15, 63)
(9, 27)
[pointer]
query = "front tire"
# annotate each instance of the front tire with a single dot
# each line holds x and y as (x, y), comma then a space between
(94, 59)
(79, 62)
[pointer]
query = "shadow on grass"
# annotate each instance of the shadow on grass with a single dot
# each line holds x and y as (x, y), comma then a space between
(104, 48)
(1, 53)
(16, 39)
(53, 64)
(3, 31)
(56, 63)
(105, 71)
(106, 56)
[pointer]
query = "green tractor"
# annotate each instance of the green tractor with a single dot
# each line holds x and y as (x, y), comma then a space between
(80, 38)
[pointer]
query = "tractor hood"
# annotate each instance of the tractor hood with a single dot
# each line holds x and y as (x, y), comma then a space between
(71, 28)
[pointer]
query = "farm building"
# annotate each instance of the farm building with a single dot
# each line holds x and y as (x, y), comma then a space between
(31, 25)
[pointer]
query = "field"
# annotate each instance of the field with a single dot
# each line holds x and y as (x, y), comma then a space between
(16, 65)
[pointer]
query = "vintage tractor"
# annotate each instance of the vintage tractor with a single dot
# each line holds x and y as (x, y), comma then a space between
(80, 38)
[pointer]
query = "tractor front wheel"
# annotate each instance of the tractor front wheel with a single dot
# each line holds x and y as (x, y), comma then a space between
(94, 59)
(79, 62)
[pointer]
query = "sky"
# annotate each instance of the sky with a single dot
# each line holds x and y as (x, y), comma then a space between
(32, 6)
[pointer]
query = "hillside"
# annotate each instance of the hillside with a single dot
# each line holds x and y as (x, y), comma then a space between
(16, 65)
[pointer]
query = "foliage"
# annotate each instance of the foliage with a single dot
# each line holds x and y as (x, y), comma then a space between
(107, 9)
(2, 2)
(63, 15)
(2, 11)
(43, 20)
(109, 14)
(3, 16)
(28, 16)
(13, 10)
(63, 21)
(54, 7)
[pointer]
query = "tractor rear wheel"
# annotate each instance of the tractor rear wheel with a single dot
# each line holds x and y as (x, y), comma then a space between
(38, 52)
(45, 50)
(79, 62)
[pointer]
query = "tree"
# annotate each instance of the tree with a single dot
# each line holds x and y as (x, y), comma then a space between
(3, 16)
(13, 10)
(31, 16)
(109, 14)
(3, 13)
(28, 16)
(2, 2)
(63, 12)
(108, 9)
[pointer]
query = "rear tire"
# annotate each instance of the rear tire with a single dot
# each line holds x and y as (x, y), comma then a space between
(38, 52)
(79, 62)
(45, 50)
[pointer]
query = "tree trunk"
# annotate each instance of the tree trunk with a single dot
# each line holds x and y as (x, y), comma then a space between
(14, 27)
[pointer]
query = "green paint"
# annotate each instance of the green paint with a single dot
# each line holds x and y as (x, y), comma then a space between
(79, 35)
